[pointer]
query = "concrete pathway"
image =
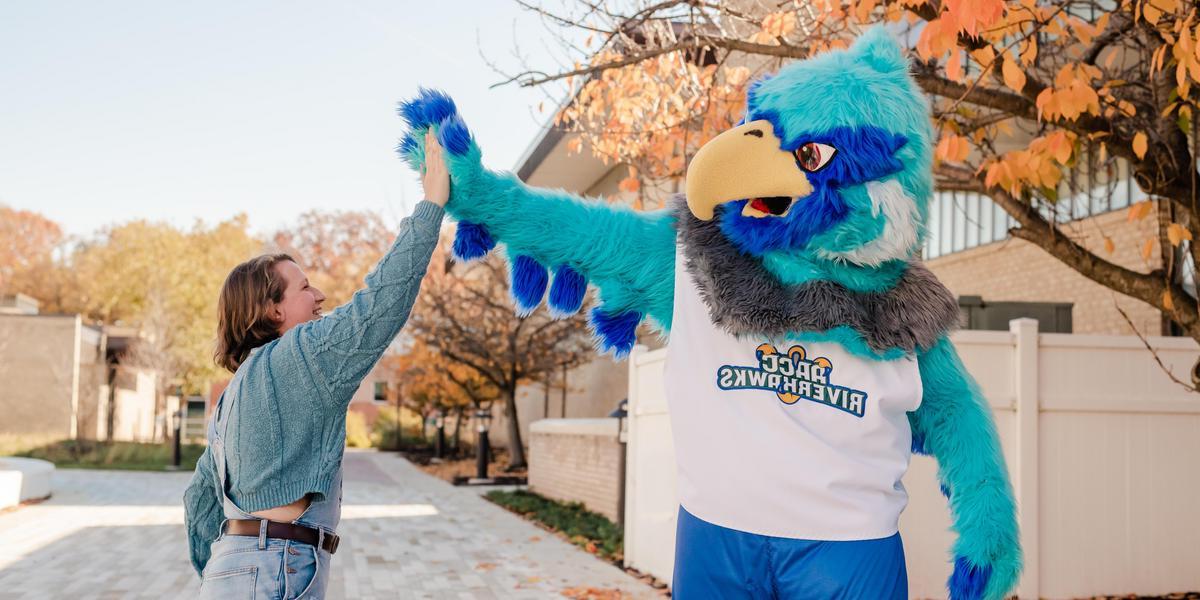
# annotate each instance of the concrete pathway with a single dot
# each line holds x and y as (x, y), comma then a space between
(114, 534)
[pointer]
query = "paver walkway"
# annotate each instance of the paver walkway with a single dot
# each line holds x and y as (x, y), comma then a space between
(113, 534)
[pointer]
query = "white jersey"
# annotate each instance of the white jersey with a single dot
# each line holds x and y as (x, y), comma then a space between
(789, 439)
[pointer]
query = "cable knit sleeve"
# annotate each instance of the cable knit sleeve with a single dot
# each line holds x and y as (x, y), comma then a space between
(202, 511)
(342, 347)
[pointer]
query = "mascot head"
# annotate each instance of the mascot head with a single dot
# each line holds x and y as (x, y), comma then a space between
(833, 161)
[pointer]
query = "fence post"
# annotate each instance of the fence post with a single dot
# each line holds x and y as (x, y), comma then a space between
(1025, 365)
(631, 454)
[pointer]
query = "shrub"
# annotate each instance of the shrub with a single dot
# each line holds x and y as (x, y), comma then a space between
(357, 434)
(87, 454)
(383, 434)
(586, 529)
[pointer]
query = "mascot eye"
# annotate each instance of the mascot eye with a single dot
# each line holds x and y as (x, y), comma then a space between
(812, 156)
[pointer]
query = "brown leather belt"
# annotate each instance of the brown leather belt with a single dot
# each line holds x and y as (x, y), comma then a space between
(284, 531)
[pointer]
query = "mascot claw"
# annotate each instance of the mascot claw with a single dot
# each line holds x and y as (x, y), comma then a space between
(968, 581)
(471, 242)
(433, 108)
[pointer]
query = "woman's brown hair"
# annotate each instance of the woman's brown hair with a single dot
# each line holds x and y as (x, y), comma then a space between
(243, 311)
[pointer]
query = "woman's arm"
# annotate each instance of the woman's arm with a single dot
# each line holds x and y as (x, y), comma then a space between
(202, 511)
(340, 348)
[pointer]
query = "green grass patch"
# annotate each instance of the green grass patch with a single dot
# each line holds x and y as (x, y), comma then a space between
(582, 527)
(132, 456)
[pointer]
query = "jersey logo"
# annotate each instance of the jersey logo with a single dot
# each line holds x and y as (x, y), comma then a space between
(793, 377)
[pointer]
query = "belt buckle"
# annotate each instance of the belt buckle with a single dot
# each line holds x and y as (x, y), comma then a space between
(334, 541)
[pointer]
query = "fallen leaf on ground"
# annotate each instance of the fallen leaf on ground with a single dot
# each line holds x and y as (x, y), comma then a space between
(591, 593)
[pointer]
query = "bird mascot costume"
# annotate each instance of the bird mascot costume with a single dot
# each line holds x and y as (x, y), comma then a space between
(808, 347)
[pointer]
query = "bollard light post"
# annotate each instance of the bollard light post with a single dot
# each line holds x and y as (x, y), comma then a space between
(177, 451)
(621, 414)
(439, 445)
(483, 419)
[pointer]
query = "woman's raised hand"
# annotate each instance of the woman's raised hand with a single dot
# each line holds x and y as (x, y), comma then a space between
(434, 176)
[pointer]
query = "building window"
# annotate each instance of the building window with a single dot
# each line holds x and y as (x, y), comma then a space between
(960, 221)
(381, 391)
(975, 313)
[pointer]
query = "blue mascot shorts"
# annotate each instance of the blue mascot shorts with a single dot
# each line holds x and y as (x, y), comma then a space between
(716, 562)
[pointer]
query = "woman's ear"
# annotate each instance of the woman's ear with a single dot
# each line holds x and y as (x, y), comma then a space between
(276, 314)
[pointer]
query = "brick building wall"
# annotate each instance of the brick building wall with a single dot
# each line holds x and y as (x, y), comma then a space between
(1016, 270)
(51, 373)
(577, 460)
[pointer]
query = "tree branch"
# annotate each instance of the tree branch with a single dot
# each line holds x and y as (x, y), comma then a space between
(1147, 287)
(1153, 352)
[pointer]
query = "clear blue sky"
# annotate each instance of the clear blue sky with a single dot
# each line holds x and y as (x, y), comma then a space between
(173, 111)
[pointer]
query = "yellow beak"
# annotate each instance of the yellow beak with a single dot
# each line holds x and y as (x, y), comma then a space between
(744, 162)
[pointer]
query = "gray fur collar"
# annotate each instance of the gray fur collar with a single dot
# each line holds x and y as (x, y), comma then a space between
(743, 298)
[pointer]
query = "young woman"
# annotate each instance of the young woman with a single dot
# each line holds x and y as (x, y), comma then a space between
(263, 506)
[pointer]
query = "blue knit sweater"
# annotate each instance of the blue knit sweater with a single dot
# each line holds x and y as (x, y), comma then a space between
(287, 402)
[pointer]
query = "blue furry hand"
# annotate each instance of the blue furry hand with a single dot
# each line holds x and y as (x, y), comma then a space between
(987, 563)
(991, 580)
(968, 581)
(434, 112)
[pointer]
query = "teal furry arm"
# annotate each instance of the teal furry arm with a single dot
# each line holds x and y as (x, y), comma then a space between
(628, 255)
(954, 424)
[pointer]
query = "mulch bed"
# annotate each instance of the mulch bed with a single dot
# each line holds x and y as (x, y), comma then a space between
(458, 470)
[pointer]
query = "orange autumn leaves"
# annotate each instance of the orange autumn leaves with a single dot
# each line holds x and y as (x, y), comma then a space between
(776, 25)
(1038, 166)
(652, 115)
(1002, 39)
(973, 16)
(1072, 94)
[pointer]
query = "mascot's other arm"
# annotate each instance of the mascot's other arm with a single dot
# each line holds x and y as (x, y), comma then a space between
(954, 424)
(629, 256)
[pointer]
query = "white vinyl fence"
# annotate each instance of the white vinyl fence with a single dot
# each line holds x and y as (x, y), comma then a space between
(1103, 449)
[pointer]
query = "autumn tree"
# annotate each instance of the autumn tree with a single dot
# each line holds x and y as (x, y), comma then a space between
(29, 248)
(431, 383)
(336, 248)
(465, 315)
(164, 281)
(1023, 94)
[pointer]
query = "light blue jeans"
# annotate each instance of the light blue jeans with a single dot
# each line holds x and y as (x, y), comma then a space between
(243, 567)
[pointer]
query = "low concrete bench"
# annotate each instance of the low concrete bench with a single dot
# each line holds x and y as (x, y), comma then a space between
(23, 479)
